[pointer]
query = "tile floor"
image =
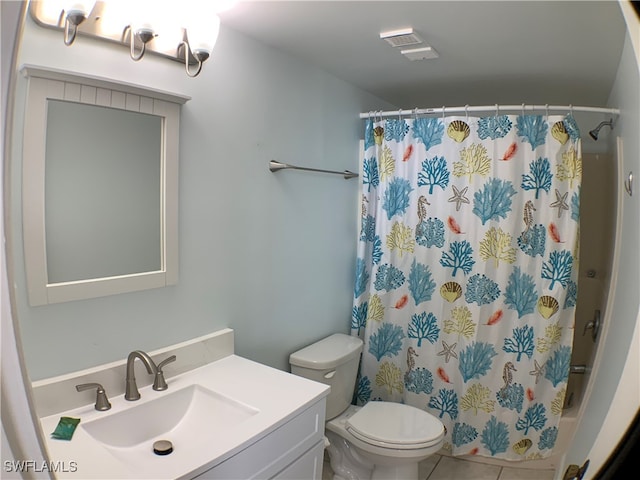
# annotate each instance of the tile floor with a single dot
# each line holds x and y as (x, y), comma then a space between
(440, 467)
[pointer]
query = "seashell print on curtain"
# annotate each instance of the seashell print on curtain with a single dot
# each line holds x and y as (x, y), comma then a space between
(466, 274)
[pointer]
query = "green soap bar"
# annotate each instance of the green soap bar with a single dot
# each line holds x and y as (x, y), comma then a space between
(65, 428)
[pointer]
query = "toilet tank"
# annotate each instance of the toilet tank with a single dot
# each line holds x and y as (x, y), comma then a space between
(334, 361)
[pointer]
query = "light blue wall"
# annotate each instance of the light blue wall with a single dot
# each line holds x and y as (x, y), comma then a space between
(269, 255)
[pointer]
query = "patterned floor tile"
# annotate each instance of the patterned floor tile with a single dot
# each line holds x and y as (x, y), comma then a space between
(452, 469)
(427, 466)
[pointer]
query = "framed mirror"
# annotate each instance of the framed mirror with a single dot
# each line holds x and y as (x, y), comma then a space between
(99, 187)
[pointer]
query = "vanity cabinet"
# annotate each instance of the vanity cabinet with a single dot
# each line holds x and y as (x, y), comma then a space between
(293, 451)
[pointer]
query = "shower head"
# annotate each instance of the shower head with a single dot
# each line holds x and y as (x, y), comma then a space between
(594, 133)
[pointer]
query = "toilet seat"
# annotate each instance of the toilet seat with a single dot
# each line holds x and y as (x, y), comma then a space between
(395, 425)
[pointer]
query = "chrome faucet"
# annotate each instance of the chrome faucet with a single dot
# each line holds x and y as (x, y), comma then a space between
(131, 389)
(102, 402)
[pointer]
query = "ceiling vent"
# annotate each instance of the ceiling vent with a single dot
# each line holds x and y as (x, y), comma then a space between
(401, 38)
(422, 53)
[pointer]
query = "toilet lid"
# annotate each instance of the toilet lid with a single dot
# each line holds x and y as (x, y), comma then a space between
(396, 425)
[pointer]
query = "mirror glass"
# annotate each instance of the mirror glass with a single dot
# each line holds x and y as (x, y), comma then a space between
(102, 192)
(99, 187)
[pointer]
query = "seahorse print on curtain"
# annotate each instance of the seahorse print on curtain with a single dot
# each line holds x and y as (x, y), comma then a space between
(466, 274)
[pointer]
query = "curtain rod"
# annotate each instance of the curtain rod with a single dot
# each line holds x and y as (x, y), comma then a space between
(489, 108)
(276, 166)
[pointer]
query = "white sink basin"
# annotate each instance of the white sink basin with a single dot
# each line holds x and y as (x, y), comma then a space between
(192, 414)
(211, 415)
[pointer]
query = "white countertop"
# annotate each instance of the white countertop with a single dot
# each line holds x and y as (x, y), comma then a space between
(278, 396)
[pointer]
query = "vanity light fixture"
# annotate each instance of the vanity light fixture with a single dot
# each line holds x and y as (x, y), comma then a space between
(199, 43)
(139, 25)
(139, 28)
(75, 12)
(145, 35)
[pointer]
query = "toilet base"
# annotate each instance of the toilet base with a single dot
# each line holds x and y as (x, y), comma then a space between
(346, 462)
(350, 463)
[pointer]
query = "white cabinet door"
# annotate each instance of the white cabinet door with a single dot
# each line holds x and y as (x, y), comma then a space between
(307, 467)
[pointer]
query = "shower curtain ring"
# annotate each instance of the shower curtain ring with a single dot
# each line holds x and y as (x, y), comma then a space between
(443, 107)
(546, 107)
(497, 110)
(466, 111)
(399, 114)
(523, 109)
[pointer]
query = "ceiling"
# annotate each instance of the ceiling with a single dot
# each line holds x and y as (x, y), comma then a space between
(507, 52)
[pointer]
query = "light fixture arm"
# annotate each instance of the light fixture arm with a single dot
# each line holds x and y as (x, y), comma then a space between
(71, 21)
(145, 35)
(199, 55)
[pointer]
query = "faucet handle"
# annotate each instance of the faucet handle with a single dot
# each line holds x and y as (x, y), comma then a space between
(159, 383)
(102, 402)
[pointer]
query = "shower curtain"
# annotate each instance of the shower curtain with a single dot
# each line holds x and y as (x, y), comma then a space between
(466, 274)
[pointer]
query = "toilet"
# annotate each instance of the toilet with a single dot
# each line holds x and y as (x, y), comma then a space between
(380, 440)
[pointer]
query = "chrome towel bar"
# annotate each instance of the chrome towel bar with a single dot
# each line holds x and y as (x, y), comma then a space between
(276, 166)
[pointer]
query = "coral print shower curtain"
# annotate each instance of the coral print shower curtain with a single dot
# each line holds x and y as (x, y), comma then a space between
(466, 274)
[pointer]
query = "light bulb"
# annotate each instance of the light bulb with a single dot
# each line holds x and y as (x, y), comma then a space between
(202, 33)
(79, 6)
(52, 9)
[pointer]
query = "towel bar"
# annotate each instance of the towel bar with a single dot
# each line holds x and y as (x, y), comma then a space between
(276, 166)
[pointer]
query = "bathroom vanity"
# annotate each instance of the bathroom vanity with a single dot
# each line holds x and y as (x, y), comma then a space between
(228, 419)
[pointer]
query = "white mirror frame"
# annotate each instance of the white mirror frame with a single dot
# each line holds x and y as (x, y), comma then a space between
(46, 84)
